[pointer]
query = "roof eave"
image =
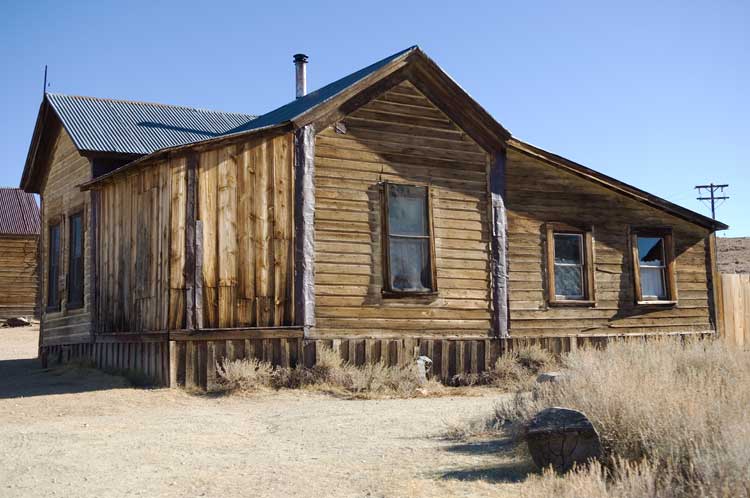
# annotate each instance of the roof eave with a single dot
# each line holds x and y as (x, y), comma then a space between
(617, 185)
(178, 148)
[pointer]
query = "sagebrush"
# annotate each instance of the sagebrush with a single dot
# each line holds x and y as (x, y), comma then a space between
(330, 373)
(673, 417)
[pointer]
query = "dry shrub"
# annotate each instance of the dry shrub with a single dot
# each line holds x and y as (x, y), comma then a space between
(514, 370)
(330, 374)
(244, 375)
(680, 406)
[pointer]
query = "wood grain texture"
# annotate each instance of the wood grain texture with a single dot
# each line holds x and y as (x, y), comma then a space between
(539, 193)
(60, 197)
(18, 275)
(399, 137)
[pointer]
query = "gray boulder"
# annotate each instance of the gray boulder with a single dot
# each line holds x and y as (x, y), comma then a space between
(562, 438)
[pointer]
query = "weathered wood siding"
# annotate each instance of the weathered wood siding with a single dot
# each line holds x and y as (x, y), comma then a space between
(61, 197)
(244, 227)
(140, 250)
(538, 193)
(245, 207)
(18, 275)
(400, 137)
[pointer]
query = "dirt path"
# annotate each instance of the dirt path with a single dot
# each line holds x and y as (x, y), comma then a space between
(83, 433)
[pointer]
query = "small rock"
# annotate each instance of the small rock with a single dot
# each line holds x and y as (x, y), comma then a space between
(550, 377)
(17, 322)
(562, 438)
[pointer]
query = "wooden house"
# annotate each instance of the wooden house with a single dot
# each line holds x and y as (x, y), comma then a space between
(384, 214)
(19, 236)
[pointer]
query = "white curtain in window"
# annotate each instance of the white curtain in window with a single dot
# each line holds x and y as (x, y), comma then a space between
(652, 282)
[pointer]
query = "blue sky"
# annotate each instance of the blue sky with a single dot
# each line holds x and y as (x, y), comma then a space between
(656, 94)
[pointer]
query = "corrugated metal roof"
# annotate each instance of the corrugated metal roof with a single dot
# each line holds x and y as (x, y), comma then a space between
(122, 126)
(19, 214)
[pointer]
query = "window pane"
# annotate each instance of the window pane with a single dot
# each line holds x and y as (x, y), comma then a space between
(651, 251)
(75, 262)
(53, 269)
(652, 282)
(407, 210)
(569, 281)
(568, 248)
(410, 265)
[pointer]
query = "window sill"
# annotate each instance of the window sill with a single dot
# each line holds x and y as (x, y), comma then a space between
(399, 295)
(656, 303)
(572, 302)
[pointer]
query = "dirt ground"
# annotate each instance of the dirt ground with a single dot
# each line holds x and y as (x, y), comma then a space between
(72, 432)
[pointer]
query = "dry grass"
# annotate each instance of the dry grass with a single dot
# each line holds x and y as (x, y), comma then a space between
(515, 370)
(673, 418)
(330, 374)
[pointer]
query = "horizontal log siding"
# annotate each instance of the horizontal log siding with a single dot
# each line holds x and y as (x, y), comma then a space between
(539, 193)
(400, 137)
(141, 249)
(18, 275)
(246, 207)
(60, 197)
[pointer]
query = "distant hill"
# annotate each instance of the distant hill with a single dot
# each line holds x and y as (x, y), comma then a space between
(734, 254)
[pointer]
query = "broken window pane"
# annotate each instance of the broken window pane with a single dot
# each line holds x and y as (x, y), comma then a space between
(410, 265)
(651, 251)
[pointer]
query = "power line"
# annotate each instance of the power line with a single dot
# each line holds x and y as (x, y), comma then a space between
(712, 189)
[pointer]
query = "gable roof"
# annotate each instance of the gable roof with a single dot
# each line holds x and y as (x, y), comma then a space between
(616, 185)
(411, 63)
(19, 214)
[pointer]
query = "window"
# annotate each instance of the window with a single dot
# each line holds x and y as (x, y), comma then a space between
(53, 269)
(570, 274)
(75, 261)
(653, 266)
(408, 247)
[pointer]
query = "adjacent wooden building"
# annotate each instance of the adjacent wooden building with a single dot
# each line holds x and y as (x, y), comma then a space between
(385, 214)
(19, 238)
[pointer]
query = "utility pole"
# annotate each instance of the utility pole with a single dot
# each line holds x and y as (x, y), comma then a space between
(712, 189)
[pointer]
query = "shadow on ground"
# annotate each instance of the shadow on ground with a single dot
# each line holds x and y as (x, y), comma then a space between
(515, 465)
(26, 377)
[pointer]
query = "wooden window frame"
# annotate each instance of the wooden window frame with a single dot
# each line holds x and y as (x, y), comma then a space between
(387, 291)
(589, 284)
(54, 307)
(69, 304)
(670, 278)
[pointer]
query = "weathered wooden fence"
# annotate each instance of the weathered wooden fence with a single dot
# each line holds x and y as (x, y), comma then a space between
(736, 297)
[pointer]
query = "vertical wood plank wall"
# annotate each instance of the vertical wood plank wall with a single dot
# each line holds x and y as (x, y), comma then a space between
(246, 207)
(400, 137)
(61, 197)
(540, 193)
(18, 275)
(137, 262)
(736, 293)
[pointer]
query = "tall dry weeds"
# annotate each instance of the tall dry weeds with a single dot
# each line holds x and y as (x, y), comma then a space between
(329, 374)
(681, 408)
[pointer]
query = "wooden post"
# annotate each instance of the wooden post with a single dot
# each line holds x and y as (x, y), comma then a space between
(716, 299)
(499, 263)
(304, 236)
(190, 239)
(94, 264)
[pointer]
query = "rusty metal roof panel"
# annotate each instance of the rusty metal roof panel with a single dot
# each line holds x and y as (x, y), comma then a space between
(127, 127)
(19, 213)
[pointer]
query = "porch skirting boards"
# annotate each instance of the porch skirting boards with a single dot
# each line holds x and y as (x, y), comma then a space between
(178, 359)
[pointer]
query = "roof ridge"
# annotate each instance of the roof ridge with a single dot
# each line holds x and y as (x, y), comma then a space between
(141, 102)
